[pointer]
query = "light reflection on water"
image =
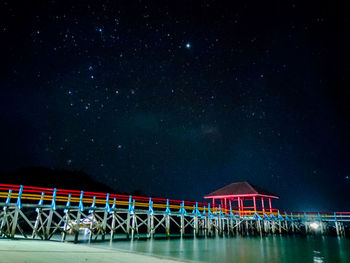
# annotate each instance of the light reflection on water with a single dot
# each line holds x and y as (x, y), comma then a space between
(317, 257)
(274, 249)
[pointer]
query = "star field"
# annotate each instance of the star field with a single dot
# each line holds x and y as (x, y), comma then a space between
(178, 99)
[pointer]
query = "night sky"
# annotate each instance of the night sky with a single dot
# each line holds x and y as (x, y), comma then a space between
(179, 98)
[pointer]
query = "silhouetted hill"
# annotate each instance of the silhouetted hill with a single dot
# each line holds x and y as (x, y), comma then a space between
(45, 177)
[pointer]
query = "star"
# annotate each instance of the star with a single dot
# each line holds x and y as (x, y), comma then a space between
(188, 45)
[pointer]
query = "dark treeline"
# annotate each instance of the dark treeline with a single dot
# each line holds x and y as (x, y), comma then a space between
(61, 179)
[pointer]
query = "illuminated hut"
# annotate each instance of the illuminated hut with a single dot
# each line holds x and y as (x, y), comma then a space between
(248, 197)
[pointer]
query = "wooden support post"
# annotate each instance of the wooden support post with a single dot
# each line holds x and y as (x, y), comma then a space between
(152, 226)
(208, 220)
(65, 226)
(266, 226)
(48, 225)
(206, 226)
(292, 223)
(182, 225)
(228, 223)
(91, 225)
(239, 205)
(229, 230)
(225, 206)
(231, 226)
(337, 228)
(259, 227)
(77, 227)
(306, 227)
(104, 224)
(112, 226)
(167, 225)
(247, 227)
(133, 226)
(195, 226)
(212, 227)
(273, 226)
(200, 226)
(270, 207)
(14, 222)
(37, 223)
(148, 225)
(3, 220)
(286, 226)
(128, 225)
(279, 226)
(222, 226)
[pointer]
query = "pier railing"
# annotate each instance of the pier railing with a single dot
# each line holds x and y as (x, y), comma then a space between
(69, 211)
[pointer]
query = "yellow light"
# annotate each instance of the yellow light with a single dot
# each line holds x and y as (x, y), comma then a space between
(314, 225)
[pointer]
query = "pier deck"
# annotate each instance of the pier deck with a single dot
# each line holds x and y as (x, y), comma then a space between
(46, 213)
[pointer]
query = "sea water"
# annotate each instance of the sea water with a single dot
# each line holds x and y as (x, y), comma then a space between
(279, 249)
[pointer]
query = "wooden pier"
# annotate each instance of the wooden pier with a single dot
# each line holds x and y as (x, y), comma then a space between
(45, 213)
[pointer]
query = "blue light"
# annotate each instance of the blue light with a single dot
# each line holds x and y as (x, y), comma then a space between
(188, 45)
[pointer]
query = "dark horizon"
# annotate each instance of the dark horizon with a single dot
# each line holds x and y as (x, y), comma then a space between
(180, 99)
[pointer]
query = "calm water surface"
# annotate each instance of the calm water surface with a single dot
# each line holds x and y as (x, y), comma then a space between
(243, 249)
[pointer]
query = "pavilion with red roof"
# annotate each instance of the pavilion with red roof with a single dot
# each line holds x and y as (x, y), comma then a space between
(248, 197)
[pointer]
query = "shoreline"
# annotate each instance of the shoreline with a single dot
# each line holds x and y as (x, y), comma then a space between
(37, 251)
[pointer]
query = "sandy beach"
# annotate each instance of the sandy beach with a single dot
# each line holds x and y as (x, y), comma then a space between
(33, 251)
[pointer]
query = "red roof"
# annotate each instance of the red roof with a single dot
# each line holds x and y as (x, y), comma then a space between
(240, 188)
